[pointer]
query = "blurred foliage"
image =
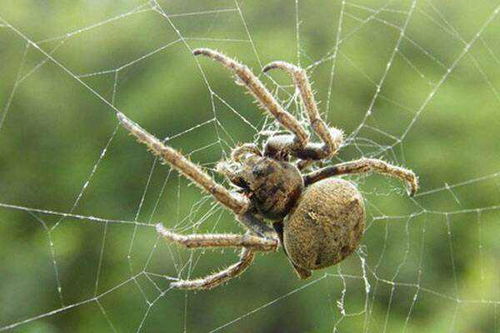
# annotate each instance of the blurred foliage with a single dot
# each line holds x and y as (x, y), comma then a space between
(431, 262)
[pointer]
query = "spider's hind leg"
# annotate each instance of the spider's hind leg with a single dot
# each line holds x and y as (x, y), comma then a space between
(248, 242)
(216, 279)
(365, 165)
(219, 240)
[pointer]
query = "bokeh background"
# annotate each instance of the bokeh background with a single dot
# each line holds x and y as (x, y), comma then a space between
(78, 197)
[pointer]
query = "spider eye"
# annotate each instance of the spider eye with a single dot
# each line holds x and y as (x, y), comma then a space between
(262, 170)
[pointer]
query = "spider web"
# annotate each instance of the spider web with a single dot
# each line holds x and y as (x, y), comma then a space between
(411, 82)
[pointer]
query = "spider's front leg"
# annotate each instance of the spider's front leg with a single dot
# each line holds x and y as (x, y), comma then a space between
(237, 203)
(332, 137)
(261, 93)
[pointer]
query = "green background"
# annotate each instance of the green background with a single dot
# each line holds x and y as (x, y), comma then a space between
(430, 262)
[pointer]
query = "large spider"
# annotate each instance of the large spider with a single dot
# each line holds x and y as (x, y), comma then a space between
(319, 219)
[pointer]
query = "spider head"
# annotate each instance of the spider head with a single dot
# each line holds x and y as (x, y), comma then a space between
(273, 185)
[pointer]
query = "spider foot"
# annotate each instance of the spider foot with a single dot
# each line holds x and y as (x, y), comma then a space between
(216, 279)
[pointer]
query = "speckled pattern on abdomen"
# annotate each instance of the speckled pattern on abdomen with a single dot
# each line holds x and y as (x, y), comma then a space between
(327, 224)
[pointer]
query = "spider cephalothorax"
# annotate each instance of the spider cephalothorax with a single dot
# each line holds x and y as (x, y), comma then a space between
(318, 218)
(272, 185)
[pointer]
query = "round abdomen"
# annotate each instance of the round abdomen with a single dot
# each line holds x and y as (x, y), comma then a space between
(326, 226)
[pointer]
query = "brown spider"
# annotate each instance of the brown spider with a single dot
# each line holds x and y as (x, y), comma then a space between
(319, 220)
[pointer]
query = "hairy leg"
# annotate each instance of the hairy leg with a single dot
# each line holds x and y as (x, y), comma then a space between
(365, 165)
(248, 242)
(219, 240)
(237, 203)
(214, 280)
(331, 136)
(259, 91)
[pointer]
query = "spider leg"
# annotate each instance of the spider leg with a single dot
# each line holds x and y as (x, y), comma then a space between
(259, 91)
(248, 242)
(365, 165)
(237, 203)
(216, 279)
(256, 224)
(245, 149)
(220, 240)
(332, 137)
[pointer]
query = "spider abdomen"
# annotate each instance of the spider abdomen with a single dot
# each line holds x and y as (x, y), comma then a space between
(326, 226)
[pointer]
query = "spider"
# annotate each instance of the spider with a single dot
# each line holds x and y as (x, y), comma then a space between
(317, 218)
